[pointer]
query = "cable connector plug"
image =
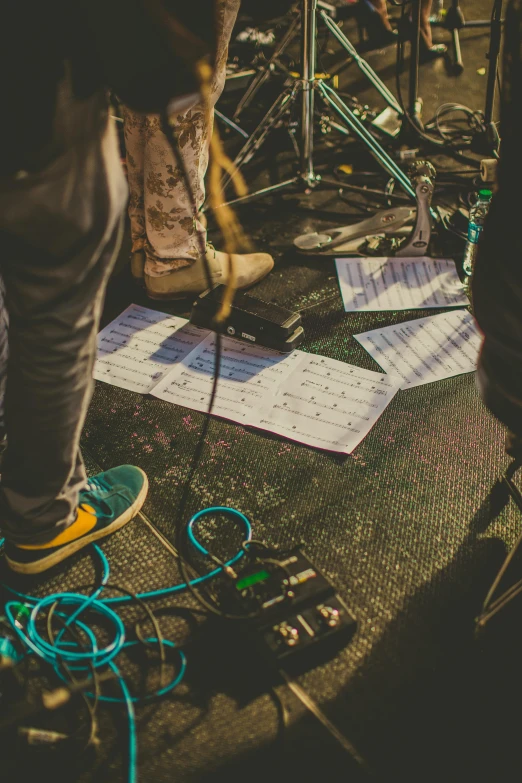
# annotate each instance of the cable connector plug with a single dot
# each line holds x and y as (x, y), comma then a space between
(52, 700)
(229, 571)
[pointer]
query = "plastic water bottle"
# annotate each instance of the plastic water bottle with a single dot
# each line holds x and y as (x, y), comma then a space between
(477, 215)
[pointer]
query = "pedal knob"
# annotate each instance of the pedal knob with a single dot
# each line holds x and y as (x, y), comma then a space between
(330, 616)
(287, 634)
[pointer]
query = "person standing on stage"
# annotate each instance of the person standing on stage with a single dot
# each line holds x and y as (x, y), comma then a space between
(165, 234)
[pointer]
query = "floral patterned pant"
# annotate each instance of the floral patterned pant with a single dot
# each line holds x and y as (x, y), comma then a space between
(161, 217)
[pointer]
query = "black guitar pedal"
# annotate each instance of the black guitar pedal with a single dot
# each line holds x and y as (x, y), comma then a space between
(250, 320)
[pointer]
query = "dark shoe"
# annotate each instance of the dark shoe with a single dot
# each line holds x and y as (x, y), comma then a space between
(429, 53)
(110, 500)
(426, 53)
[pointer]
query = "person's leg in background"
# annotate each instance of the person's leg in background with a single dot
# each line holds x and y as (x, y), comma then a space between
(382, 27)
(164, 231)
(60, 231)
(428, 50)
(375, 19)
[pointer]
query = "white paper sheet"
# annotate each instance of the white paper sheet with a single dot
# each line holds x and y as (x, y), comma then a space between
(311, 399)
(249, 375)
(425, 350)
(328, 404)
(139, 347)
(399, 283)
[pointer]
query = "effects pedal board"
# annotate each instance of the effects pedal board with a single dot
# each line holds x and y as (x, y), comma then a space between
(251, 320)
(302, 620)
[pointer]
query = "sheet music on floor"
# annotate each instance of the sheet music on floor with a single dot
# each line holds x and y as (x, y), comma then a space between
(328, 404)
(311, 399)
(249, 374)
(425, 350)
(369, 284)
(141, 346)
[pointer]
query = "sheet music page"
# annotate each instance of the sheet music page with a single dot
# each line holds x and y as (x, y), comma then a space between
(248, 376)
(138, 348)
(399, 283)
(425, 350)
(328, 404)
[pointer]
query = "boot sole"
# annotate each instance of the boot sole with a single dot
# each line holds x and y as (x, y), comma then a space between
(69, 549)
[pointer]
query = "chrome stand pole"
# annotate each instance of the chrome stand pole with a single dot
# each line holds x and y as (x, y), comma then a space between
(308, 60)
(306, 87)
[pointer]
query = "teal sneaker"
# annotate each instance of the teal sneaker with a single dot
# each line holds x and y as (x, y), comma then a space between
(108, 502)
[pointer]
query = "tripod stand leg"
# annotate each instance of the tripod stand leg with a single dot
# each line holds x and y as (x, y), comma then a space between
(271, 118)
(263, 192)
(263, 74)
(365, 67)
(490, 606)
(227, 121)
(353, 122)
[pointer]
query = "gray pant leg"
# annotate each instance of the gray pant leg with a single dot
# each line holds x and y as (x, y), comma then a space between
(59, 233)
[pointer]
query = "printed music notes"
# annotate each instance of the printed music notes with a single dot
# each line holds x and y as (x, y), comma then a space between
(399, 283)
(139, 348)
(249, 375)
(328, 404)
(425, 350)
(321, 402)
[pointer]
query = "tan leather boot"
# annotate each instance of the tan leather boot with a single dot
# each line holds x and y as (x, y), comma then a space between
(250, 269)
(138, 266)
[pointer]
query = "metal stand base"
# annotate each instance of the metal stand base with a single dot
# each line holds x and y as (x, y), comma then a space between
(305, 90)
(493, 602)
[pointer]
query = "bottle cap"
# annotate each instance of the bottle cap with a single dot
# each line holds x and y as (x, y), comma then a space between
(485, 194)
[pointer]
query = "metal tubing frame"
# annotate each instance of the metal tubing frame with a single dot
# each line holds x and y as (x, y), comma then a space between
(346, 114)
(457, 51)
(491, 606)
(231, 124)
(265, 72)
(493, 55)
(262, 192)
(308, 85)
(361, 63)
(257, 138)
(308, 62)
(413, 93)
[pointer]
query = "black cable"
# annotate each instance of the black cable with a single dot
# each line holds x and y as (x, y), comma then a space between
(151, 616)
(91, 707)
(179, 543)
(154, 622)
(179, 540)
